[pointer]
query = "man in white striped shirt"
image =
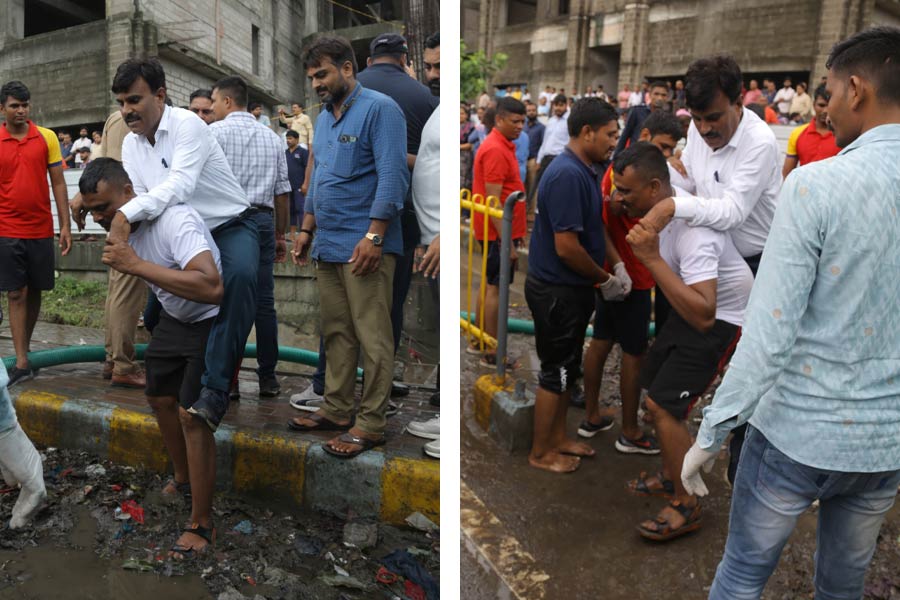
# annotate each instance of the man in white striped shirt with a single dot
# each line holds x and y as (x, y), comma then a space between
(256, 156)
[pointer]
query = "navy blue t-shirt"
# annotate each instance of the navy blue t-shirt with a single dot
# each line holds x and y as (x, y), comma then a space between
(568, 200)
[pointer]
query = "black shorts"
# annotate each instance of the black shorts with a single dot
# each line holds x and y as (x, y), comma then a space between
(493, 262)
(175, 358)
(626, 322)
(561, 315)
(27, 263)
(683, 362)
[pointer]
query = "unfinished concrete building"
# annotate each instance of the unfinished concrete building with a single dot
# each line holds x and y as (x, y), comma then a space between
(572, 44)
(67, 51)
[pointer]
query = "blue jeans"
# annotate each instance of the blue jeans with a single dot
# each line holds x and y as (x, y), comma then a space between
(266, 322)
(238, 244)
(7, 412)
(770, 492)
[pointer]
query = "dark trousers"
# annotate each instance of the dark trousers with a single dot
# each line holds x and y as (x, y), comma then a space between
(266, 321)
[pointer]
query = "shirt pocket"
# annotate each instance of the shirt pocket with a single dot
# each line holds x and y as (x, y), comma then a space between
(346, 155)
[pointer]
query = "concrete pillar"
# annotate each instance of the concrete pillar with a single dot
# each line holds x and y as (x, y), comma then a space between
(838, 20)
(12, 21)
(486, 27)
(634, 43)
(127, 36)
(576, 52)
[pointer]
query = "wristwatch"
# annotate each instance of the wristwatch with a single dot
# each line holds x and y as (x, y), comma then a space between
(376, 239)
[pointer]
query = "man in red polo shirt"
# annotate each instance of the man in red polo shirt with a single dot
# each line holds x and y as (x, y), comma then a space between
(813, 141)
(27, 154)
(496, 173)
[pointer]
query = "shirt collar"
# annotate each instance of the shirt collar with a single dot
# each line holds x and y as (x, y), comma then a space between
(163, 124)
(876, 134)
(240, 114)
(495, 133)
(735, 140)
(32, 132)
(574, 157)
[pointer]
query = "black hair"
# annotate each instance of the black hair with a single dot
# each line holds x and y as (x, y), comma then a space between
(253, 106)
(706, 76)
(102, 169)
(433, 41)
(559, 99)
(509, 105)
(292, 133)
(875, 54)
(298, 104)
(201, 93)
(336, 49)
(659, 83)
(16, 89)
(233, 87)
(821, 93)
(150, 69)
(662, 121)
(488, 119)
(593, 112)
(645, 158)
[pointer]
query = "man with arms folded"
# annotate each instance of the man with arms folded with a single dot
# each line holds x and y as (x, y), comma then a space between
(708, 283)
(817, 373)
(177, 257)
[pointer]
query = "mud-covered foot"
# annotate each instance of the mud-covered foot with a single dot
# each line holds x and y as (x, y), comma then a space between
(555, 462)
(575, 448)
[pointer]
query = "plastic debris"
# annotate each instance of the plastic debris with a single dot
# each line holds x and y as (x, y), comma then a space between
(403, 563)
(307, 546)
(361, 534)
(116, 487)
(245, 527)
(143, 566)
(95, 471)
(347, 582)
(131, 507)
(248, 578)
(121, 515)
(341, 571)
(421, 522)
(125, 530)
(413, 590)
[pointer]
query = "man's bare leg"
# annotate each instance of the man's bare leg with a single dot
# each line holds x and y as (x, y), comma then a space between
(630, 388)
(201, 456)
(33, 306)
(594, 361)
(18, 324)
(543, 447)
(491, 309)
(562, 443)
(166, 410)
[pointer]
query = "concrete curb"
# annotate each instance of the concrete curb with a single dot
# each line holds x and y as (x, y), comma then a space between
(506, 411)
(266, 464)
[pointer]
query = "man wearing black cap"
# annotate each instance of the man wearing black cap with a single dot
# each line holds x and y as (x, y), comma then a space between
(385, 73)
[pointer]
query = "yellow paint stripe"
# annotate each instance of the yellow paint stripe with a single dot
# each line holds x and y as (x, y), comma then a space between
(485, 388)
(409, 485)
(135, 439)
(38, 414)
(507, 559)
(269, 464)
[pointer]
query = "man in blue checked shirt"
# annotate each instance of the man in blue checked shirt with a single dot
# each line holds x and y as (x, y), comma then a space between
(817, 371)
(360, 182)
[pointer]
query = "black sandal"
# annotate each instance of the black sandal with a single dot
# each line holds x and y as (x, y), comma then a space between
(207, 533)
(639, 486)
(182, 488)
(349, 438)
(322, 423)
(664, 531)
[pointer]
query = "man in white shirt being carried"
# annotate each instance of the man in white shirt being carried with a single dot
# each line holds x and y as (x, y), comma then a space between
(708, 284)
(177, 257)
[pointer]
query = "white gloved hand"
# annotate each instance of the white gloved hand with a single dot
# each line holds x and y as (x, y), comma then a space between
(696, 458)
(612, 289)
(623, 276)
(23, 463)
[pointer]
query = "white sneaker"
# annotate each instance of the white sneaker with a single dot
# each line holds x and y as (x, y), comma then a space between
(430, 429)
(307, 400)
(433, 449)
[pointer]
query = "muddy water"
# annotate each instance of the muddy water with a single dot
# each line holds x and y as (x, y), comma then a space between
(72, 571)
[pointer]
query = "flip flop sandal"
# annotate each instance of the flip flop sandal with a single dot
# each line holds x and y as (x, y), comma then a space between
(323, 423)
(664, 530)
(182, 488)
(349, 438)
(187, 552)
(639, 486)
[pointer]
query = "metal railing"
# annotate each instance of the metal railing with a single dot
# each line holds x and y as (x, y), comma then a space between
(489, 208)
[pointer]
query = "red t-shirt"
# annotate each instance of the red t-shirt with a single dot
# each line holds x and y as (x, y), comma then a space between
(495, 162)
(618, 227)
(24, 192)
(813, 146)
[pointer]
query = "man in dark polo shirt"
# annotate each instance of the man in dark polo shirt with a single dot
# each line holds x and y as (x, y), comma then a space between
(496, 173)
(564, 270)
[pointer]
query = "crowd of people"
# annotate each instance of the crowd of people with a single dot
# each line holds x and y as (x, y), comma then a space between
(198, 206)
(757, 265)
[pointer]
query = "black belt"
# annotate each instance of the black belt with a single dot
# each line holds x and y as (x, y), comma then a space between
(261, 208)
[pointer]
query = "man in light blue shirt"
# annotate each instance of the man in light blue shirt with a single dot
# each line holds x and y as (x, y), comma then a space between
(817, 371)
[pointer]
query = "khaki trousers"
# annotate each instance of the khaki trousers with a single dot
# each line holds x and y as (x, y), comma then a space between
(356, 319)
(125, 300)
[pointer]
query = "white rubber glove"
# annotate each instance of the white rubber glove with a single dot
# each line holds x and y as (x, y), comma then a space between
(696, 458)
(623, 276)
(23, 463)
(612, 289)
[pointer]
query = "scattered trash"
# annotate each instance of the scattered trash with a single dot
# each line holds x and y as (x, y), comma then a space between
(131, 507)
(116, 487)
(413, 590)
(307, 546)
(340, 571)
(249, 579)
(361, 534)
(125, 530)
(121, 515)
(421, 522)
(347, 582)
(245, 527)
(143, 566)
(403, 563)
(231, 594)
(385, 576)
(95, 471)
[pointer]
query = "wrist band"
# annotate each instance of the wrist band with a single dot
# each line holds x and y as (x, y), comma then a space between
(307, 231)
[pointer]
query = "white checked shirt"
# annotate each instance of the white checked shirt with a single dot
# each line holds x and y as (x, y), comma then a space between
(256, 155)
(185, 165)
(734, 187)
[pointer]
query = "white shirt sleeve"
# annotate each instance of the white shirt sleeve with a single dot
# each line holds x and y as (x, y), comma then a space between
(738, 196)
(187, 237)
(699, 250)
(191, 150)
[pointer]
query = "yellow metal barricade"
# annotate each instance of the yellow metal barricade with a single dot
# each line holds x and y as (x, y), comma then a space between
(476, 204)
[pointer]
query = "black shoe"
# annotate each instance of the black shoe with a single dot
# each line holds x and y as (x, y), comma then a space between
(435, 399)
(577, 397)
(210, 406)
(17, 375)
(269, 387)
(398, 390)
